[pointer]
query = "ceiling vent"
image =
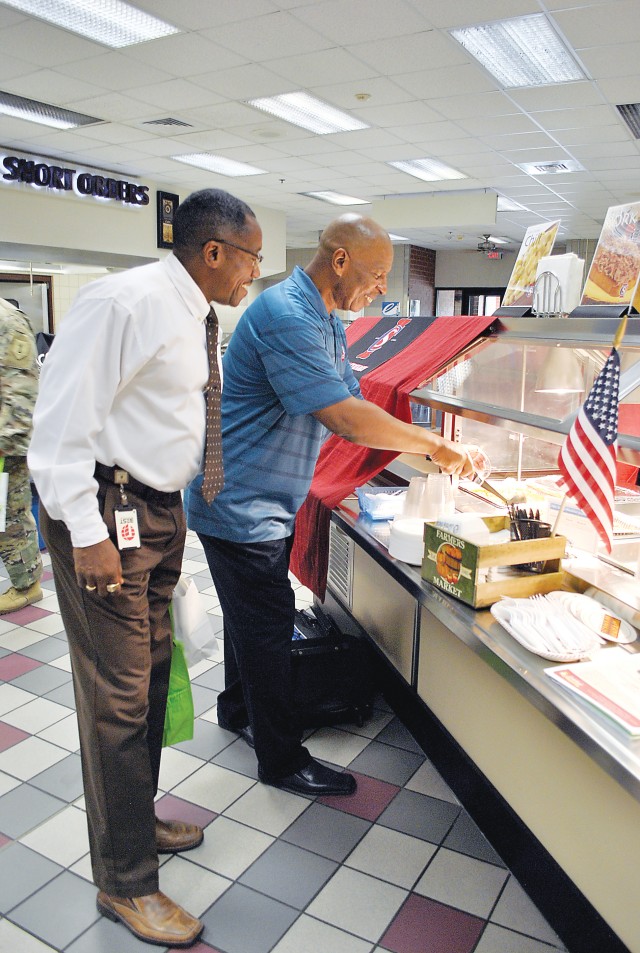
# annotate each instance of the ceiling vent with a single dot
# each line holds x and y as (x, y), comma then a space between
(167, 122)
(631, 115)
(551, 168)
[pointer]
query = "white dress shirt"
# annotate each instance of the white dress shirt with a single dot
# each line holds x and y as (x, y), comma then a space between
(123, 384)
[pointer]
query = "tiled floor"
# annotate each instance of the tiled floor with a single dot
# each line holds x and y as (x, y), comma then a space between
(398, 867)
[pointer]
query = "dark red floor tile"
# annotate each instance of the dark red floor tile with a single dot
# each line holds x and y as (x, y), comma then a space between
(4, 840)
(369, 801)
(26, 615)
(47, 575)
(425, 926)
(170, 808)
(10, 736)
(14, 665)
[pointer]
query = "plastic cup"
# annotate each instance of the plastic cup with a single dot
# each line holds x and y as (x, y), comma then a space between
(415, 500)
(480, 462)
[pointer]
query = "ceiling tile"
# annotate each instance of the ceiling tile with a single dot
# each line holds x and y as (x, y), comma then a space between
(436, 83)
(257, 38)
(184, 54)
(45, 45)
(586, 28)
(113, 71)
(412, 52)
(558, 96)
(311, 69)
(362, 20)
(476, 106)
(446, 15)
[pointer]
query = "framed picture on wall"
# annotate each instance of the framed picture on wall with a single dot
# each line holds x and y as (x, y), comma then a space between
(166, 207)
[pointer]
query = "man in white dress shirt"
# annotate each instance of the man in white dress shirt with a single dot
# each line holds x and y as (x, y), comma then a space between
(119, 430)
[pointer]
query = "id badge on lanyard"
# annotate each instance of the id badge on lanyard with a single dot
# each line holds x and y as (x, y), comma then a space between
(126, 519)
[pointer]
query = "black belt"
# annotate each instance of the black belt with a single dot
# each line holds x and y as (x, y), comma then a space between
(120, 477)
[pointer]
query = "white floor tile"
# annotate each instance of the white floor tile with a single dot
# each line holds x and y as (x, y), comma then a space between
(15, 940)
(50, 603)
(7, 784)
(310, 934)
(373, 725)
(49, 624)
(462, 882)
(190, 566)
(358, 903)
(19, 638)
(63, 838)
(392, 856)
(7, 626)
(201, 667)
(216, 610)
(82, 868)
(64, 662)
(338, 747)
(268, 809)
(213, 787)
(230, 848)
(36, 715)
(211, 715)
(63, 733)
(175, 766)
(30, 757)
(12, 697)
(194, 888)
(427, 781)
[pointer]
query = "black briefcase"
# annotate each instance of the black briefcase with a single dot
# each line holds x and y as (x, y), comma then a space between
(332, 672)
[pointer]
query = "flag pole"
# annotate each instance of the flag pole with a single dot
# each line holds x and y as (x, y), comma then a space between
(622, 327)
(559, 514)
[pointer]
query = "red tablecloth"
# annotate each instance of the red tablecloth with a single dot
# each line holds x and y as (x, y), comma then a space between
(342, 466)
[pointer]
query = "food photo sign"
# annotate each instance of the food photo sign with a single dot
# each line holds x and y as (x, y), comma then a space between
(536, 244)
(613, 275)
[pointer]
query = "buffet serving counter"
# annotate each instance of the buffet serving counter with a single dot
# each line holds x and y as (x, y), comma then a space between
(570, 776)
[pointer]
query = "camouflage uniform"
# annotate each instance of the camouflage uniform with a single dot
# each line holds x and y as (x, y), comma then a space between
(18, 390)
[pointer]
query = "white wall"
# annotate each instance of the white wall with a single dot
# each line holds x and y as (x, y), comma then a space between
(471, 269)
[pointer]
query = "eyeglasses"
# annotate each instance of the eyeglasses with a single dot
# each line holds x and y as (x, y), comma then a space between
(258, 259)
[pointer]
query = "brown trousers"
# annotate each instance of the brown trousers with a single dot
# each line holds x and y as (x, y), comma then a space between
(120, 651)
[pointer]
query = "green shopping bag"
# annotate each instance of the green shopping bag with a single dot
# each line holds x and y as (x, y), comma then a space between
(179, 717)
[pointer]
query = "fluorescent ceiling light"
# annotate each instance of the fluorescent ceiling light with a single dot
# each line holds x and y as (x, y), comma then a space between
(525, 51)
(111, 22)
(397, 238)
(204, 160)
(497, 240)
(308, 112)
(550, 168)
(44, 113)
(509, 205)
(430, 170)
(336, 198)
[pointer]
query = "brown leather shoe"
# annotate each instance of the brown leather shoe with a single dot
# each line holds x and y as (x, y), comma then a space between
(154, 918)
(174, 837)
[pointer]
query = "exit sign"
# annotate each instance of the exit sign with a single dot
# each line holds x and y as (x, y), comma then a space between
(494, 254)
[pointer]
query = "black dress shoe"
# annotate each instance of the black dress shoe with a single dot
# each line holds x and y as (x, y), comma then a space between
(315, 779)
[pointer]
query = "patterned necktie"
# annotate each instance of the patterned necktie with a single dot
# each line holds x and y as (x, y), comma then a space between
(213, 469)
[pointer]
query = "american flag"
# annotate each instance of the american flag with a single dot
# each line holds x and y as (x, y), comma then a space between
(587, 459)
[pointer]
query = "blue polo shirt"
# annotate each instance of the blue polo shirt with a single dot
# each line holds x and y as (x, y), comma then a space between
(287, 358)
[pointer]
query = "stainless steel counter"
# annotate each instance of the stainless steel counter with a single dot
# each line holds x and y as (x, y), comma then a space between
(609, 747)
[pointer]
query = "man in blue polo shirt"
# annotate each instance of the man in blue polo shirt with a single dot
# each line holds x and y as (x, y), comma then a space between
(287, 380)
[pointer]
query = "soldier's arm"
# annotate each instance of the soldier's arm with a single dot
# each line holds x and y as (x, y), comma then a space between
(18, 391)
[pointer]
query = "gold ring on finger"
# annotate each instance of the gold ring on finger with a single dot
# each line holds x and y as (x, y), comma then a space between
(91, 588)
(113, 587)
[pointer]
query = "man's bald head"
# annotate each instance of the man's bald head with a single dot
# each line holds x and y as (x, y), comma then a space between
(352, 231)
(351, 264)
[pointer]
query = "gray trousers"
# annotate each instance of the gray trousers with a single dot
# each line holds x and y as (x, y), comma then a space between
(120, 649)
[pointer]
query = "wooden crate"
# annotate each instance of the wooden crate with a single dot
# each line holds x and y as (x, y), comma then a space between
(457, 566)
